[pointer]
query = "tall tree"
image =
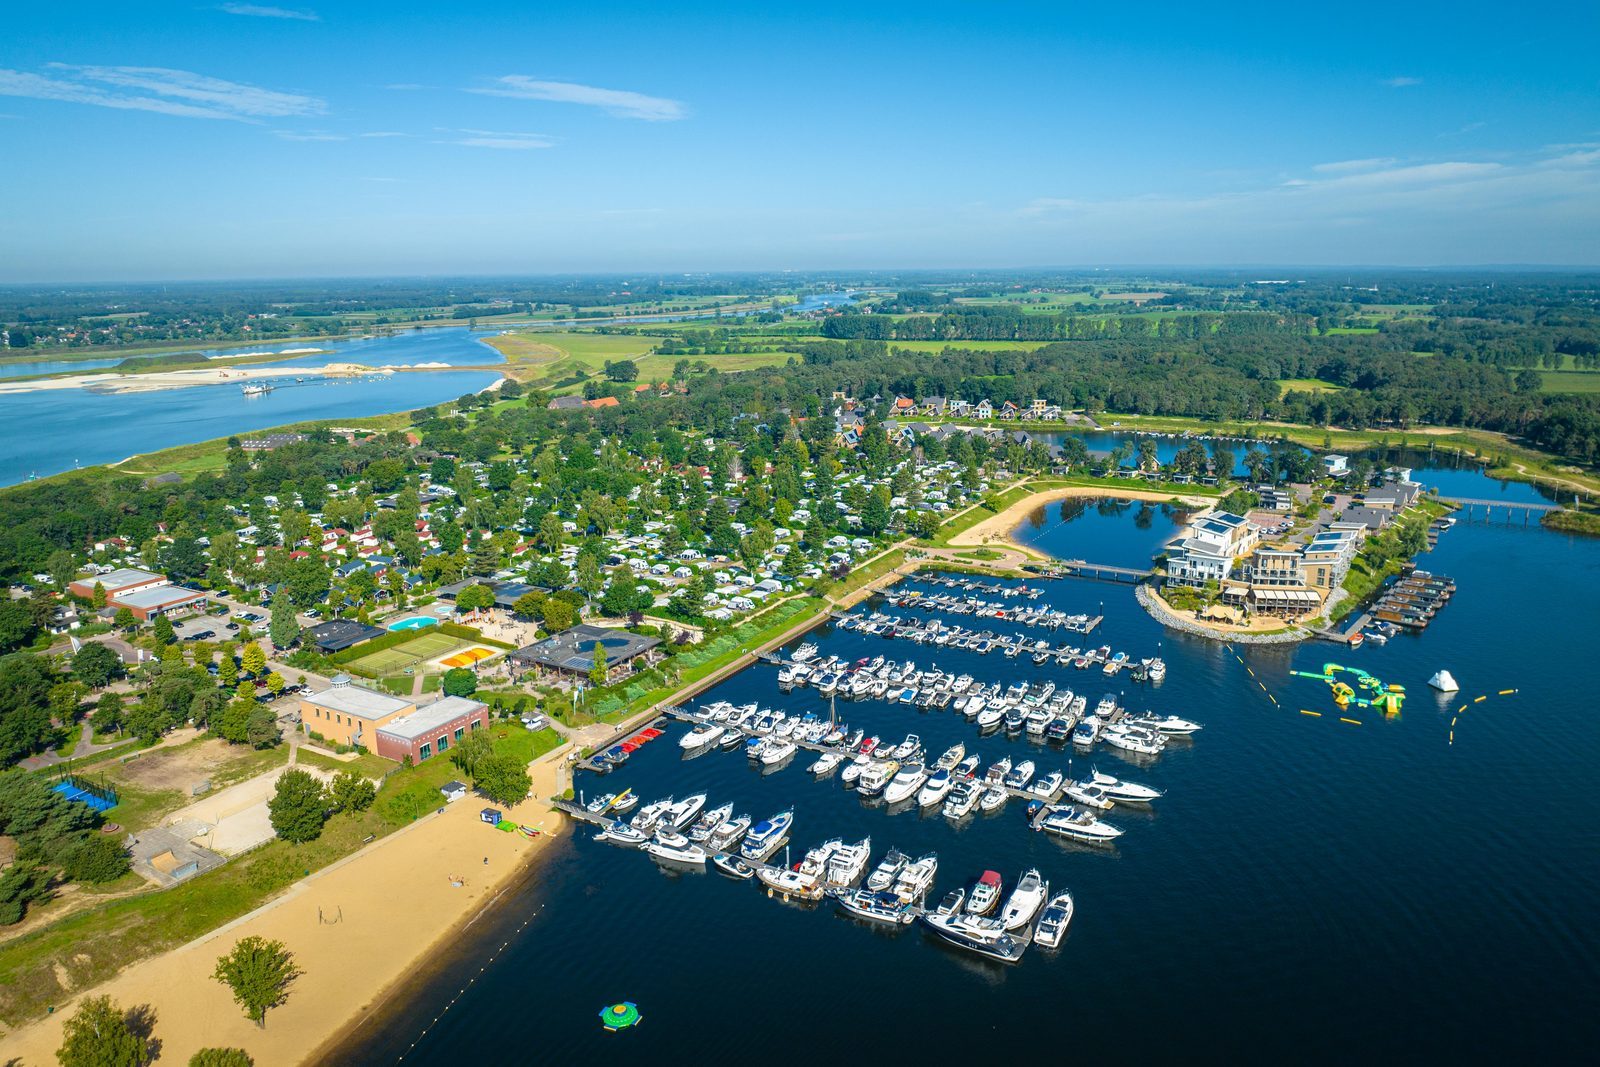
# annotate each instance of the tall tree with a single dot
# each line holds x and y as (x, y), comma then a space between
(298, 808)
(98, 1035)
(259, 972)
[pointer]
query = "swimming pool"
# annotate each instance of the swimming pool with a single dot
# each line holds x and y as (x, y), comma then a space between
(415, 622)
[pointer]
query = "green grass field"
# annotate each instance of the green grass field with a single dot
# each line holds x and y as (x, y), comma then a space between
(1570, 381)
(1306, 385)
(424, 646)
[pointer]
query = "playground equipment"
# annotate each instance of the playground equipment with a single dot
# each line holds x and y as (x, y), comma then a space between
(1363, 690)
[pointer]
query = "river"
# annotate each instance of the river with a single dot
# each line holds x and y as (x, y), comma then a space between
(1308, 888)
(50, 431)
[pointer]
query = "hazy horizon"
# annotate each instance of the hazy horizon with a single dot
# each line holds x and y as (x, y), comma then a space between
(237, 141)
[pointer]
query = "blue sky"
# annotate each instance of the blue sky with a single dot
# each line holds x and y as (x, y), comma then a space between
(221, 140)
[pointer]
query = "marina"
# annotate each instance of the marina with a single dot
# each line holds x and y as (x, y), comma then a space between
(1166, 894)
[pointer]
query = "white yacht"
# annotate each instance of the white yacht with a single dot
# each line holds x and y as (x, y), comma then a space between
(1123, 792)
(1079, 825)
(684, 811)
(646, 818)
(936, 789)
(826, 763)
(701, 736)
(728, 833)
(848, 863)
(707, 824)
(1046, 785)
(620, 833)
(888, 869)
(807, 651)
(777, 752)
(986, 937)
(908, 748)
(952, 756)
(904, 785)
(1166, 724)
(962, 799)
(916, 878)
(1134, 739)
(765, 836)
(990, 716)
(1053, 923)
(994, 798)
(676, 849)
(852, 770)
(1089, 795)
(1020, 775)
(1025, 900)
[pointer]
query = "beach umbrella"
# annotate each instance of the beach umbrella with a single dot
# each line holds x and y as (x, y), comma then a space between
(620, 1016)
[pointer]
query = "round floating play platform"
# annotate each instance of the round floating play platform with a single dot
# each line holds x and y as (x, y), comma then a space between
(620, 1016)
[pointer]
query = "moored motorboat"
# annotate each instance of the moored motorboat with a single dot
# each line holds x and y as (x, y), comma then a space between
(765, 836)
(732, 866)
(985, 895)
(951, 757)
(847, 864)
(684, 811)
(916, 878)
(994, 798)
(646, 818)
(1123, 792)
(878, 907)
(888, 869)
(1025, 900)
(728, 834)
(1053, 922)
(675, 849)
(1046, 785)
(777, 752)
(936, 788)
(620, 833)
(1077, 824)
(708, 822)
(876, 777)
(826, 763)
(1020, 775)
(701, 736)
(905, 783)
(1088, 794)
(962, 799)
(986, 937)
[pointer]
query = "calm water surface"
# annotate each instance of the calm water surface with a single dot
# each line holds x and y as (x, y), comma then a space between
(1307, 890)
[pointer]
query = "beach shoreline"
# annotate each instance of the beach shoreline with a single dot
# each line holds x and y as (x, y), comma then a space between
(156, 381)
(1001, 527)
(348, 927)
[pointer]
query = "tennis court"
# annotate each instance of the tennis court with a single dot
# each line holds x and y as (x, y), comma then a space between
(424, 646)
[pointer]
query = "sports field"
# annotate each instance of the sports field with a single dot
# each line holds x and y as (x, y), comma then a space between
(419, 649)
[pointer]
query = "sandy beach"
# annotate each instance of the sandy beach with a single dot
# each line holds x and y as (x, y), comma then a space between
(389, 906)
(999, 528)
(182, 379)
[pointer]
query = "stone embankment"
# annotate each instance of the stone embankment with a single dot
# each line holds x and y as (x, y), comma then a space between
(1189, 626)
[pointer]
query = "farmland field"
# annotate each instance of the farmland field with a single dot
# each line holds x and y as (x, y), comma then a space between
(548, 358)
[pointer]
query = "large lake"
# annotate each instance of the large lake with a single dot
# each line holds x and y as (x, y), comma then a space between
(51, 431)
(1307, 890)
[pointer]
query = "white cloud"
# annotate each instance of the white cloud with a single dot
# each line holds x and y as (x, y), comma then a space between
(1402, 82)
(310, 135)
(158, 89)
(1348, 165)
(616, 102)
(260, 12)
(498, 139)
(1522, 209)
(384, 133)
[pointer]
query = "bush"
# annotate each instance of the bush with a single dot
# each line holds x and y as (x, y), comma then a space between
(221, 1057)
(299, 807)
(460, 682)
(97, 858)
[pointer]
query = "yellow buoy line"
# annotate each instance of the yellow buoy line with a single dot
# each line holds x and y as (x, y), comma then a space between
(1475, 700)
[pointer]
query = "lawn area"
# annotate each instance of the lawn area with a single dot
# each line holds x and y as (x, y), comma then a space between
(1570, 381)
(1334, 331)
(1306, 385)
(92, 945)
(658, 368)
(213, 455)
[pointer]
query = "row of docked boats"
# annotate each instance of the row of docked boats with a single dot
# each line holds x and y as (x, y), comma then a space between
(941, 635)
(973, 585)
(1022, 615)
(982, 919)
(1042, 710)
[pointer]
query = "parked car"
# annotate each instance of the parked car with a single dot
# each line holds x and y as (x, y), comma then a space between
(201, 635)
(231, 626)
